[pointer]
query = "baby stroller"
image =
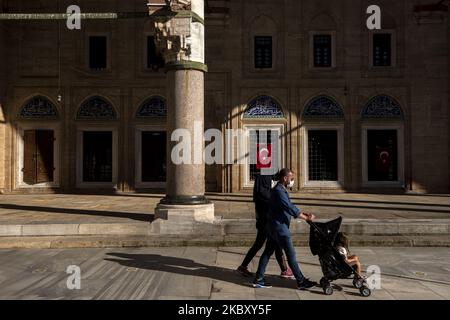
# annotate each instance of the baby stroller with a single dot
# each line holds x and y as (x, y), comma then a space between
(322, 238)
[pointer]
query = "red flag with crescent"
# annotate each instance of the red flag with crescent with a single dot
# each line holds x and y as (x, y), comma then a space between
(263, 155)
(383, 160)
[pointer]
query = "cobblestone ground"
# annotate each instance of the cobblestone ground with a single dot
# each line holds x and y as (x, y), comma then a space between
(208, 273)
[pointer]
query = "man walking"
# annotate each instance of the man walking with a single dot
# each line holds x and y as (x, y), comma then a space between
(261, 197)
(280, 213)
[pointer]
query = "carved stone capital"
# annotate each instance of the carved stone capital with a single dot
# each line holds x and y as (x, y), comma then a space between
(173, 39)
(179, 30)
(178, 5)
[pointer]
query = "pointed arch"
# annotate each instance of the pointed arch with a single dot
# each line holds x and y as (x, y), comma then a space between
(263, 106)
(96, 108)
(382, 107)
(38, 107)
(321, 107)
(263, 24)
(323, 21)
(152, 107)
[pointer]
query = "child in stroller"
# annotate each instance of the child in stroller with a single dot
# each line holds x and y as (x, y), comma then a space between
(324, 242)
(341, 244)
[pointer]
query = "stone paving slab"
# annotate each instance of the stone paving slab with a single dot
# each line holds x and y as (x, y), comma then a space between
(189, 273)
(229, 227)
(136, 207)
(124, 220)
(55, 242)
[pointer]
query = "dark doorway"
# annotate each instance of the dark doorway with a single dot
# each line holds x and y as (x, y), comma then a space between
(38, 156)
(153, 156)
(382, 157)
(97, 156)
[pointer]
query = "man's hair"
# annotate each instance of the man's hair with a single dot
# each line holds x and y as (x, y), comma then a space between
(284, 173)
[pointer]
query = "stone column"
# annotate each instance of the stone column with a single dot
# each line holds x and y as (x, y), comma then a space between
(185, 182)
(179, 29)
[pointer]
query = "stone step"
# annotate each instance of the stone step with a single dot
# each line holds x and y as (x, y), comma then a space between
(75, 229)
(355, 226)
(400, 227)
(236, 240)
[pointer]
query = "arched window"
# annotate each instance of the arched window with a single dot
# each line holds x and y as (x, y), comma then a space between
(96, 108)
(323, 107)
(153, 107)
(38, 107)
(383, 143)
(382, 107)
(323, 143)
(263, 107)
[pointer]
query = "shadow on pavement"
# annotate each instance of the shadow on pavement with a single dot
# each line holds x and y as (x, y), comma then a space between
(189, 267)
(114, 214)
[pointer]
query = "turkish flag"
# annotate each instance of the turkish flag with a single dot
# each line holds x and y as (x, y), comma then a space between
(263, 155)
(383, 160)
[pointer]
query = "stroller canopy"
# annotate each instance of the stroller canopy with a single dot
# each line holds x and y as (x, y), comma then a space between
(323, 234)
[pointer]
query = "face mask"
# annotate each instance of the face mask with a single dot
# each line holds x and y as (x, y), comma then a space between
(291, 183)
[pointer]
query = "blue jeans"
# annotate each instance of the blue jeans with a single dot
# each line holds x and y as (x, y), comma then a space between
(285, 242)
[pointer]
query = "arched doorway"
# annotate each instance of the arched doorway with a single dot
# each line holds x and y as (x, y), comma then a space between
(264, 122)
(323, 143)
(38, 143)
(382, 143)
(151, 143)
(97, 144)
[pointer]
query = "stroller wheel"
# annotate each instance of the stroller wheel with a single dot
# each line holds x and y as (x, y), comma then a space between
(365, 291)
(328, 290)
(358, 283)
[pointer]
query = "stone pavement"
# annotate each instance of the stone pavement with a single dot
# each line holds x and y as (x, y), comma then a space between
(349, 205)
(208, 273)
(131, 207)
(124, 220)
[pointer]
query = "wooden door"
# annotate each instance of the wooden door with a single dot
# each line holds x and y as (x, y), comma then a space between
(44, 156)
(38, 156)
(29, 157)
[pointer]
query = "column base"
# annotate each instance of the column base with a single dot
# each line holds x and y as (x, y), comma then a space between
(184, 219)
(184, 200)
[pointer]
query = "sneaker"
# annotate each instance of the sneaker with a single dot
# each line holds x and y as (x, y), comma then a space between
(261, 283)
(244, 271)
(287, 274)
(305, 284)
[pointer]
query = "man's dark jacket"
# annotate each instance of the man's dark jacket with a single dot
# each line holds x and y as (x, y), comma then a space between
(281, 211)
